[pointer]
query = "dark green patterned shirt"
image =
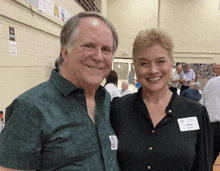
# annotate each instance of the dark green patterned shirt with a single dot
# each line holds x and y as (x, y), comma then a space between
(48, 128)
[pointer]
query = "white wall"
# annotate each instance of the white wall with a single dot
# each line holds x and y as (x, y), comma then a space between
(129, 17)
(37, 41)
(194, 26)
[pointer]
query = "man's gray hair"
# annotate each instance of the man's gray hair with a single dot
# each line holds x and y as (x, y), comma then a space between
(197, 84)
(69, 32)
(125, 83)
(185, 66)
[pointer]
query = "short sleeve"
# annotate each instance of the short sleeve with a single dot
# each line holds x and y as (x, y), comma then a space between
(21, 139)
(194, 76)
(204, 148)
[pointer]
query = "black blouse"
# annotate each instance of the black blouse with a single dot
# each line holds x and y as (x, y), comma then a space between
(164, 147)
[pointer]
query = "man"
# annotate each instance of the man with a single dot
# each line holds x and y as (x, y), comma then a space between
(192, 92)
(216, 71)
(124, 88)
(188, 76)
(211, 100)
(175, 79)
(63, 124)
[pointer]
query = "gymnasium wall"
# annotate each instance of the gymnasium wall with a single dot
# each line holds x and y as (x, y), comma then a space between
(37, 42)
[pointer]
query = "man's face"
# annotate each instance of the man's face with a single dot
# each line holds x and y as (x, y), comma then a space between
(179, 69)
(90, 59)
(217, 69)
(186, 70)
(124, 86)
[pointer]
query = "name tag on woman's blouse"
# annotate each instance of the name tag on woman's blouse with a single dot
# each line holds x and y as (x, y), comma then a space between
(114, 142)
(188, 124)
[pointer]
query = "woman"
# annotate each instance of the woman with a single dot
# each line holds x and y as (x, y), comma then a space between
(157, 129)
(111, 85)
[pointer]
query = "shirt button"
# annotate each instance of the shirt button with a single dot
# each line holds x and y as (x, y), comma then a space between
(149, 167)
(150, 148)
(153, 131)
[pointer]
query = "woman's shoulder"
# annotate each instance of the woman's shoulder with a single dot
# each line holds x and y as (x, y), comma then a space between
(109, 85)
(182, 100)
(188, 107)
(126, 99)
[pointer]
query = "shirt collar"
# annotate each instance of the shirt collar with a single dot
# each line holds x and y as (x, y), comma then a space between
(63, 85)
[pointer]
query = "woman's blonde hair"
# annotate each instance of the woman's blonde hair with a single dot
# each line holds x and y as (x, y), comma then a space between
(150, 37)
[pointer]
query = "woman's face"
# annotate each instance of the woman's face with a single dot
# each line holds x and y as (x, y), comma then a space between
(153, 68)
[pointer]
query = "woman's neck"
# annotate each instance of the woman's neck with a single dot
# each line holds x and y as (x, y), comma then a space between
(156, 97)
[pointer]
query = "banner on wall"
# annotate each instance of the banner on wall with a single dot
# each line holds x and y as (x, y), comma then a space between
(53, 9)
(34, 2)
(64, 14)
(45, 6)
(56, 10)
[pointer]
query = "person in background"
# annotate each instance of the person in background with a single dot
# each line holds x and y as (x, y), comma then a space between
(111, 85)
(174, 83)
(188, 76)
(190, 66)
(192, 92)
(211, 100)
(124, 89)
(136, 84)
(158, 129)
(63, 124)
(216, 71)
(134, 81)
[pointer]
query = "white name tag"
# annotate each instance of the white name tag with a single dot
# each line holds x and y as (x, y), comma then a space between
(114, 142)
(188, 124)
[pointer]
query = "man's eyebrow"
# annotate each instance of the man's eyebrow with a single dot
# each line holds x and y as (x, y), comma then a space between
(142, 59)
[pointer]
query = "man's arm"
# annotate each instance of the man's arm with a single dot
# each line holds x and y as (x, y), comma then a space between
(177, 80)
(182, 80)
(194, 76)
(20, 139)
(193, 80)
(8, 169)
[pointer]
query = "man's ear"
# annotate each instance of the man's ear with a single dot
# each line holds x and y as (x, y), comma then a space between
(64, 53)
(172, 62)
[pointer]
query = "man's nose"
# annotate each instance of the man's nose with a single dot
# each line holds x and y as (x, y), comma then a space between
(98, 56)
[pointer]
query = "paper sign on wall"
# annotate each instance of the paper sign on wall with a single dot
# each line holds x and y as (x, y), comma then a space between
(12, 48)
(45, 6)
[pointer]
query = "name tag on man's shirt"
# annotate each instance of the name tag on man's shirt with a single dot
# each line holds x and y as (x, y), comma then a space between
(114, 142)
(188, 124)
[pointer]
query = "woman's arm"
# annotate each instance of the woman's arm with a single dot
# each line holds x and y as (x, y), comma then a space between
(204, 147)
